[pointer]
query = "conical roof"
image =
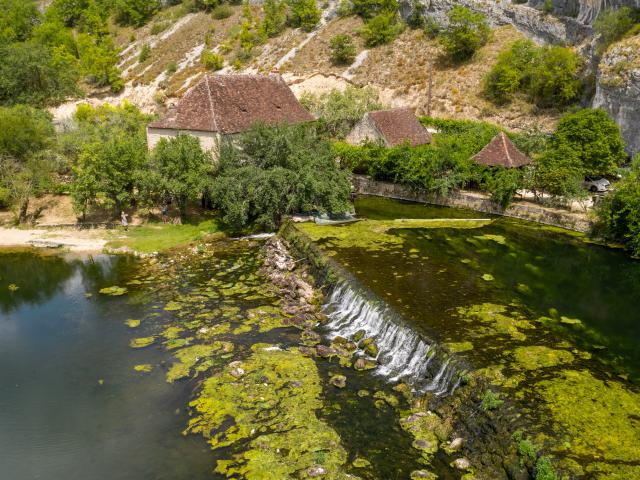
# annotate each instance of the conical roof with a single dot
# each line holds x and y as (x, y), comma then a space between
(501, 152)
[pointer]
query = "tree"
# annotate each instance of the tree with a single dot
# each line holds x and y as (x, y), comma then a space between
(380, 29)
(304, 14)
(343, 51)
(559, 173)
(273, 171)
(22, 180)
(339, 111)
(135, 12)
(17, 19)
(110, 158)
(179, 171)
(555, 80)
(466, 33)
(619, 212)
(24, 131)
(34, 74)
(503, 183)
(275, 17)
(594, 138)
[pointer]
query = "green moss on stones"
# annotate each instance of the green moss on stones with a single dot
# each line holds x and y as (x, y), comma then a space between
(271, 400)
(534, 357)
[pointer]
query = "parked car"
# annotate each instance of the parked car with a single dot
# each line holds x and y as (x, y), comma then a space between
(596, 184)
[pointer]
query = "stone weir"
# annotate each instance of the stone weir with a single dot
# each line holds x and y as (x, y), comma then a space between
(386, 344)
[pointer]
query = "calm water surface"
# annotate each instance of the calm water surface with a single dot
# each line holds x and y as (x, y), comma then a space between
(71, 405)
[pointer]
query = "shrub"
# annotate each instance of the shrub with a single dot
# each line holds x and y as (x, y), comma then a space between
(503, 184)
(547, 6)
(304, 14)
(432, 27)
(466, 33)
(172, 67)
(343, 51)
(275, 17)
(338, 112)
(559, 173)
(380, 29)
(221, 12)
(612, 24)
(159, 27)
(548, 75)
(135, 12)
(416, 17)
(371, 8)
(211, 60)
(145, 53)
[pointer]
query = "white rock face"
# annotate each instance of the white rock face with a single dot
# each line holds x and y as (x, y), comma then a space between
(618, 89)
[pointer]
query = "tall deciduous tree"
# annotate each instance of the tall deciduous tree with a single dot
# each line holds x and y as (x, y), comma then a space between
(179, 171)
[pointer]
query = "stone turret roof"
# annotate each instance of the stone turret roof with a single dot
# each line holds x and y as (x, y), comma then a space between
(230, 104)
(400, 125)
(501, 152)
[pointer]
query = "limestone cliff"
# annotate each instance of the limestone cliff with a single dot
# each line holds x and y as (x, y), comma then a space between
(618, 89)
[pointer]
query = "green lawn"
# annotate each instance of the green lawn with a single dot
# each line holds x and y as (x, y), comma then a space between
(158, 237)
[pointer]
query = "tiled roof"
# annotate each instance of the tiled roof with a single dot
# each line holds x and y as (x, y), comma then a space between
(400, 125)
(232, 103)
(501, 151)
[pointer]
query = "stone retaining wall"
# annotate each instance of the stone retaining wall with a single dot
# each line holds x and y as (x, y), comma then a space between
(474, 201)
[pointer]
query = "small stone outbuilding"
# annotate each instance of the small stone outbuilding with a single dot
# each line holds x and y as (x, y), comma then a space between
(501, 152)
(391, 128)
(221, 106)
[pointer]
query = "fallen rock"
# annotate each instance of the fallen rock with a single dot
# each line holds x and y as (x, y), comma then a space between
(461, 463)
(455, 444)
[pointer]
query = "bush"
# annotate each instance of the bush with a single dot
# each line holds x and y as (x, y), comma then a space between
(221, 12)
(270, 172)
(338, 112)
(211, 60)
(548, 75)
(343, 51)
(275, 17)
(135, 12)
(370, 8)
(304, 14)
(416, 17)
(466, 33)
(172, 67)
(145, 53)
(490, 401)
(380, 29)
(612, 24)
(503, 183)
(559, 173)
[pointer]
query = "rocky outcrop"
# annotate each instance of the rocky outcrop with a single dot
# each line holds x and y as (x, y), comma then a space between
(618, 89)
(531, 21)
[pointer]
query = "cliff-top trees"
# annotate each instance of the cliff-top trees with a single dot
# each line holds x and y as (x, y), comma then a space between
(466, 33)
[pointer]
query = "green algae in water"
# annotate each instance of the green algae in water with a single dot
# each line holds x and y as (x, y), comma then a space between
(113, 291)
(498, 320)
(143, 368)
(601, 419)
(198, 358)
(132, 323)
(172, 306)
(488, 277)
(272, 405)
(534, 357)
(142, 342)
(458, 347)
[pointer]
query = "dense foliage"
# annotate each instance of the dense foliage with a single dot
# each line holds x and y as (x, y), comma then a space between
(271, 172)
(179, 172)
(339, 111)
(466, 32)
(381, 29)
(304, 14)
(548, 75)
(619, 213)
(614, 23)
(594, 138)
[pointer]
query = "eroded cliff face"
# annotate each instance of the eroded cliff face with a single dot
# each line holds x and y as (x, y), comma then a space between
(618, 89)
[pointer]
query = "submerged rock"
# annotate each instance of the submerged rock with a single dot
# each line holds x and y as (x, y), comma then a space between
(339, 381)
(461, 463)
(365, 364)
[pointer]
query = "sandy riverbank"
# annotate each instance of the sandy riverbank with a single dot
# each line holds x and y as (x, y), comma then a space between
(72, 239)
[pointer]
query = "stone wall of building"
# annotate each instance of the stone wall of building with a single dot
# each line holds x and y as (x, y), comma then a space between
(208, 140)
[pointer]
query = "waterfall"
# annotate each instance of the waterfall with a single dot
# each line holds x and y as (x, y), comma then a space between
(403, 354)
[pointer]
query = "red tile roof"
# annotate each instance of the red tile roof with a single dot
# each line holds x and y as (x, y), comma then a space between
(501, 152)
(400, 125)
(232, 103)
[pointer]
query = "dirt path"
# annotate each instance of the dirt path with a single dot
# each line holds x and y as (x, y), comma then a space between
(75, 240)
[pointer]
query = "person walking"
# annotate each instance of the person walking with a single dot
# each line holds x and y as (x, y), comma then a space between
(123, 220)
(165, 213)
